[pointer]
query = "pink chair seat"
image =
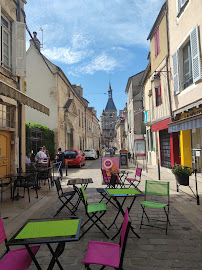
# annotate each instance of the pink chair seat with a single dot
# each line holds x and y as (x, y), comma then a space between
(103, 253)
(18, 259)
(132, 180)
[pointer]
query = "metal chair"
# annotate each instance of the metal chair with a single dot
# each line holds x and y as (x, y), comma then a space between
(4, 184)
(18, 259)
(108, 254)
(64, 197)
(156, 188)
(134, 182)
(27, 183)
(92, 211)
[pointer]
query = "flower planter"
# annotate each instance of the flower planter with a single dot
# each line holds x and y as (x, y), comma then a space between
(182, 180)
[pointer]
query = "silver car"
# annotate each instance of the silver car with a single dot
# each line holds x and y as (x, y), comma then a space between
(90, 153)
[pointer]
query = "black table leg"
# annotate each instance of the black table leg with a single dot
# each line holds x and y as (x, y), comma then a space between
(123, 213)
(33, 257)
(59, 250)
(119, 210)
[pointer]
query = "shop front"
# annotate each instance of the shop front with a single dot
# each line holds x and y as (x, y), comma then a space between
(189, 126)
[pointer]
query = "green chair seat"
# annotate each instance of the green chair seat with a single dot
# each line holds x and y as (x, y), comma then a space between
(96, 207)
(153, 204)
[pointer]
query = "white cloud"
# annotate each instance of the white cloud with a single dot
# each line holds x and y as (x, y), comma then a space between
(93, 35)
(65, 55)
(100, 63)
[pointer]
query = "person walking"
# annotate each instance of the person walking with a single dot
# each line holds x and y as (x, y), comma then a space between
(59, 160)
(98, 153)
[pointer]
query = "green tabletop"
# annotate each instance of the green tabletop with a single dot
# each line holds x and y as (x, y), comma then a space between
(122, 191)
(49, 229)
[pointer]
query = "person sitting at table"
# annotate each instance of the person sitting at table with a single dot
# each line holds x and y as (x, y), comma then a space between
(40, 155)
(47, 154)
(28, 162)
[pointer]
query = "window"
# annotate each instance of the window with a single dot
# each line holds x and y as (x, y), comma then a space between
(181, 6)
(5, 116)
(187, 66)
(157, 43)
(158, 96)
(186, 62)
(5, 42)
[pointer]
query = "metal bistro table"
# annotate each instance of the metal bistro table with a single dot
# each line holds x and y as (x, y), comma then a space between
(125, 193)
(79, 181)
(47, 231)
(18, 177)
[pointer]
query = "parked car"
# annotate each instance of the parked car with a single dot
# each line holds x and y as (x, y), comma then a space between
(74, 158)
(90, 153)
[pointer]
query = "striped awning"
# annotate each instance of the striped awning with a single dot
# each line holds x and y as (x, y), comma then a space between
(185, 124)
(11, 92)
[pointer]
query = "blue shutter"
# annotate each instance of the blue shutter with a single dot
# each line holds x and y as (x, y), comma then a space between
(176, 73)
(195, 55)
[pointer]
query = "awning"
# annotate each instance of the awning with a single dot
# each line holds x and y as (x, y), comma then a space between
(185, 124)
(9, 91)
(161, 125)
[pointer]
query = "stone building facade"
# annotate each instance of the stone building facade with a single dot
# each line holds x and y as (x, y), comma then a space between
(13, 97)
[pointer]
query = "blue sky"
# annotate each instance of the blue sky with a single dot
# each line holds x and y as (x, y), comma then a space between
(92, 39)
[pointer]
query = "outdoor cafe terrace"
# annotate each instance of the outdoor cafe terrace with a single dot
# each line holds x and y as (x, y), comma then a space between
(181, 248)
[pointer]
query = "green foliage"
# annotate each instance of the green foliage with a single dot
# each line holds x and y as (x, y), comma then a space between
(181, 170)
(47, 138)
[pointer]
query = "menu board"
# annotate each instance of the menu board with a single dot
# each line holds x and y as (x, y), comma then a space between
(123, 159)
(140, 147)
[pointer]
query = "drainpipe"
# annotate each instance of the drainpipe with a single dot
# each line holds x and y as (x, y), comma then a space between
(19, 11)
(167, 70)
(19, 105)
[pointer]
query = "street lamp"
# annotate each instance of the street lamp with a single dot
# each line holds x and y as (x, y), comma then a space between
(156, 80)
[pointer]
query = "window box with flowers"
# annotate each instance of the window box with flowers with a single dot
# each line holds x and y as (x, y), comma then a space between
(182, 174)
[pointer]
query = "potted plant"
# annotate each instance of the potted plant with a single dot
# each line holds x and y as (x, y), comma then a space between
(182, 174)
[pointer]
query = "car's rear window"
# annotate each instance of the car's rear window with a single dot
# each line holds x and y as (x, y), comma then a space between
(70, 154)
(89, 150)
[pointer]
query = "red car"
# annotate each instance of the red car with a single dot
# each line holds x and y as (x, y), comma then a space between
(74, 158)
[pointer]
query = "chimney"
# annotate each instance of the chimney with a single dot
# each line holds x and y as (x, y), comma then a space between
(34, 41)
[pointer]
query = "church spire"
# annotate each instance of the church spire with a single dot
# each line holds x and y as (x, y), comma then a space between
(110, 104)
(109, 91)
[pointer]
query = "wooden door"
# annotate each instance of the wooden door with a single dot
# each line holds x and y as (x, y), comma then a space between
(5, 149)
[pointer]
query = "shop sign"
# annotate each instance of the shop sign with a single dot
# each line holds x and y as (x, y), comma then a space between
(192, 113)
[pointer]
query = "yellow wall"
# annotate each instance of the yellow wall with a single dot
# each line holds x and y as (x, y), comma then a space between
(155, 61)
(185, 146)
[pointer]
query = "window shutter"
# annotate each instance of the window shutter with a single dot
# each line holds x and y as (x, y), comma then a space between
(18, 49)
(183, 2)
(179, 5)
(176, 73)
(195, 55)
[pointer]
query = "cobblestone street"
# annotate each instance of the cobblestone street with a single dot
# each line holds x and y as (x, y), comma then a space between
(180, 249)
